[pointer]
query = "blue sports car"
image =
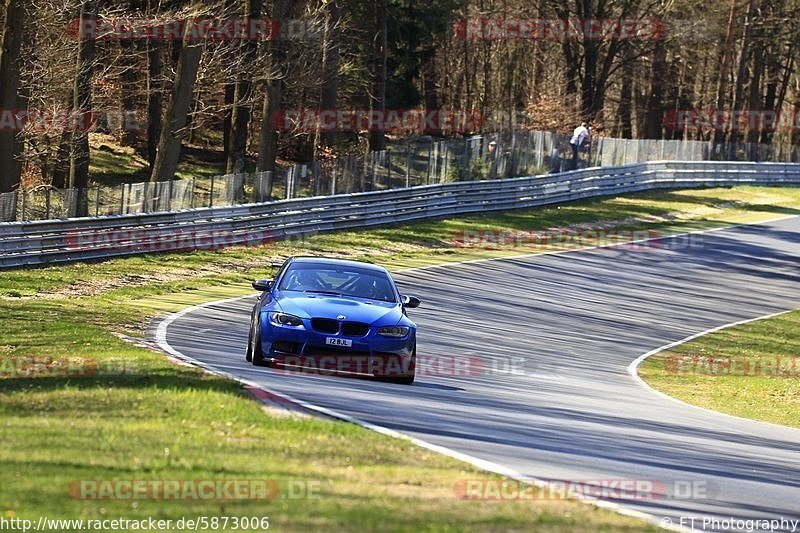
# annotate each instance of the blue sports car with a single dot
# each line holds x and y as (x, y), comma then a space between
(329, 316)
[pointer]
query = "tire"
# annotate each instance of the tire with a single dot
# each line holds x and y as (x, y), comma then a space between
(248, 356)
(256, 349)
(408, 379)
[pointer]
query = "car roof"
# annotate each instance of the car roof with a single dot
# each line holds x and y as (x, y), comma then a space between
(334, 261)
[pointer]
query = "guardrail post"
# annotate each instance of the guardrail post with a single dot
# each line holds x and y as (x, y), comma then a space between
(211, 193)
(464, 160)
(47, 203)
(445, 154)
(145, 201)
(430, 156)
(374, 174)
(388, 169)
(289, 181)
(97, 201)
(408, 166)
(169, 195)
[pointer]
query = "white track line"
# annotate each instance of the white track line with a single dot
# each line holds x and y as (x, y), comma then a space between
(633, 368)
(161, 340)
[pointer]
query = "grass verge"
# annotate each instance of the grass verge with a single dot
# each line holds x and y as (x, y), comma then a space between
(751, 370)
(143, 418)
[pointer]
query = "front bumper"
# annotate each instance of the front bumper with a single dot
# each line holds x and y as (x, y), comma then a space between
(306, 351)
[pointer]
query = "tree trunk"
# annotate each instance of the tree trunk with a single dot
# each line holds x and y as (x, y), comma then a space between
(724, 66)
(796, 131)
(82, 106)
(268, 138)
(63, 156)
(229, 98)
(127, 80)
(573, 69)
(654, 118)
(155, 98)
(169, 144)
(741, 77)
(331, 59)
(10, 99)
(430, 88)
(744, 58)
(243, 96)
(377, 139)
(589, 102)
(538, 61)
(753, 134)
(625, 110)
(685, 96)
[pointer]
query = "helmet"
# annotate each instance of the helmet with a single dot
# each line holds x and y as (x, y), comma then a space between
(303, 279)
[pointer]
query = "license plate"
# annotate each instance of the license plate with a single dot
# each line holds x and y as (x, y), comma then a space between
(336, 341)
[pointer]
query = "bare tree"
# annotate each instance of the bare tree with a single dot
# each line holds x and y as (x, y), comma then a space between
(276, 50)
(11, 147)
(82, 107)
(180, 101)
(377, 139)
(243, 93)
(155, 97)
(331, 59)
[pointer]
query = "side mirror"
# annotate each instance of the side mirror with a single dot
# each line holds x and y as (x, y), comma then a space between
(262, 285)
(410, 301)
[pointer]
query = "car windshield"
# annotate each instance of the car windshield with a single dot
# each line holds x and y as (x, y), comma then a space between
(340, 281)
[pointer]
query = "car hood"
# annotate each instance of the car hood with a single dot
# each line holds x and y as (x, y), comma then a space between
(321, 306)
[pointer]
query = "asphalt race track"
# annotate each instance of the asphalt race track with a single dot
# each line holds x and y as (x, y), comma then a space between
(546, 342)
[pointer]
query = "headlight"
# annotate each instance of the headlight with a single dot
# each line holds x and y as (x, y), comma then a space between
(282, 319)
(394, 331)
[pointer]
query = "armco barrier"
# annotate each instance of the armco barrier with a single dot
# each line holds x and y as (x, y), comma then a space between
(50, 241)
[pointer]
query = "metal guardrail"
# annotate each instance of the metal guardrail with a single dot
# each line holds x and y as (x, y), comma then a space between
(52, 241)
(412, 162)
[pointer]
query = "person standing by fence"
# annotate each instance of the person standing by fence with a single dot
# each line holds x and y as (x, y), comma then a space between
(580, 134)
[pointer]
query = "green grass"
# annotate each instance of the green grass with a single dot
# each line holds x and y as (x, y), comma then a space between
(119, 424)
(751, 370)
(111, 164)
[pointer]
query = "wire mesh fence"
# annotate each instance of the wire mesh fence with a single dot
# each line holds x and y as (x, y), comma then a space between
(422, 161)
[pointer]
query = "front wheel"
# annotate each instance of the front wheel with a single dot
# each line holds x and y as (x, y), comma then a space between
(411, 373)
(255, 349)
(248, 356)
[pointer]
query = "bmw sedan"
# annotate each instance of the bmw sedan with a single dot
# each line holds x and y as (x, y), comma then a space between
(331, 316)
